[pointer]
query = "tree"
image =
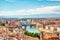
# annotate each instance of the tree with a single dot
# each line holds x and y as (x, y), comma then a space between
(2, 24)
(31, 34)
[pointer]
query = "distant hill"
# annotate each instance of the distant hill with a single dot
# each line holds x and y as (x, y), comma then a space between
(33, 16)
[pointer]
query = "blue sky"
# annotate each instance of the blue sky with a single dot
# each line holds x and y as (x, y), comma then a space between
(29, 7)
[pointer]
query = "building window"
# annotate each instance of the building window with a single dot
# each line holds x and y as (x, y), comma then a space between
(48, 27)
(11, 30)
(55, 29)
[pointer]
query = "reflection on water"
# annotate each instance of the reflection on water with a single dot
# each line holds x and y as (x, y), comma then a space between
(31, 29)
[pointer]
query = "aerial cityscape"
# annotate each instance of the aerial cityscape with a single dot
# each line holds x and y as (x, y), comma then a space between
(30, 29)
(29, 19)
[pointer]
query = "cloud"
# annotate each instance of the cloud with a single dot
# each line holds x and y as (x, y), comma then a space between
(6, 13)
(41, 10)
(47, 9)
(53, 0)
(10, 0)
(39, 0)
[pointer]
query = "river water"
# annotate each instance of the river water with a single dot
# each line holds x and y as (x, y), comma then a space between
(31, 29)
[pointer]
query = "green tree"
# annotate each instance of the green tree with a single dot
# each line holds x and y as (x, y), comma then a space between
(2, 24)
(31, 34)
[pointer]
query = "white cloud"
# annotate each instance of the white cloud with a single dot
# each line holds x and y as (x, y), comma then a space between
(53, 0)
(39, 0)
(47, 9)
(10, 0)
(41, 10)
(6, 13)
